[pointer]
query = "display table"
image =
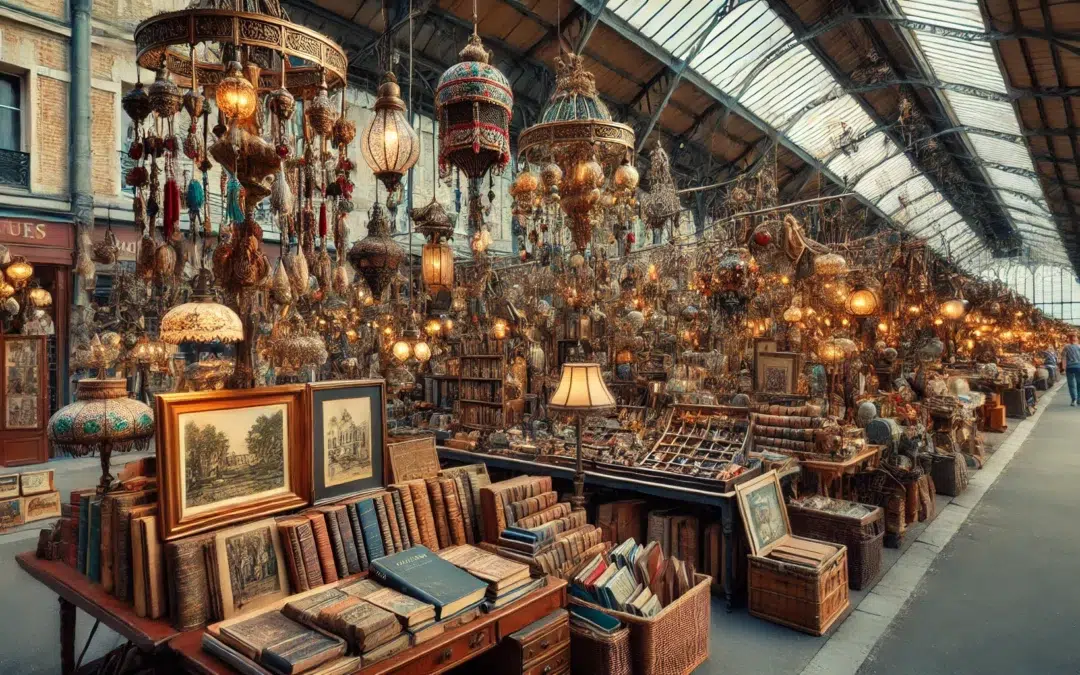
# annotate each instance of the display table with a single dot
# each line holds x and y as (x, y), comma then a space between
(830, 475)
(75, 590)
(725, 501)
(435, 656)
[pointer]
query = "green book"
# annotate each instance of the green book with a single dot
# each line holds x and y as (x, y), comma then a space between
(93, 541)
(423, 575)
(84, 531)
(369, 522)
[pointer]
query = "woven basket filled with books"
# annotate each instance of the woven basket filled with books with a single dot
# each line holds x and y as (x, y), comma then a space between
(861, 530)
(673, 642)
(599, 654)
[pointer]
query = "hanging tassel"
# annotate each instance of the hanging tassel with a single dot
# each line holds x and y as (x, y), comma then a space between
(281, 196)
(172, 208)
(322, 221)
(196, 197)
(234, 211)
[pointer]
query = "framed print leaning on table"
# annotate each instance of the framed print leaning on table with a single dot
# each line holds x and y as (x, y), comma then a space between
(228, 456)
(348, 435)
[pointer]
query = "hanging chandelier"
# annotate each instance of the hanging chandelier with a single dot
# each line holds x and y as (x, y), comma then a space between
(579, 146)
(389, 143)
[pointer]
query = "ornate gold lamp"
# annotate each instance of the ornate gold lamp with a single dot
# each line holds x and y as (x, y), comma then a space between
(581, 391)
(389, 143)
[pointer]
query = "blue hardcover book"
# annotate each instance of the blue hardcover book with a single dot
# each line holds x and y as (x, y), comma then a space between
(425, 576)
(369, 522)
(84, 530)
(519, 534)
(594, 618)
(358, 533)
(93, 542)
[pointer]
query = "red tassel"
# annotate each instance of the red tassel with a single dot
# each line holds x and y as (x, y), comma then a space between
(171, 208)
(322, 221)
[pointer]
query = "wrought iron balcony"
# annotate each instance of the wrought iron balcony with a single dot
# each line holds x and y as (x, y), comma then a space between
(15, 168)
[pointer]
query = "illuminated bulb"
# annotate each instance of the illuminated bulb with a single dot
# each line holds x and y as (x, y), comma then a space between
(844, 322)
(938, 321)
(883, 327)
(785, 280)
(388, 331)
(500, 329)
(422, 352)
(914, 309)
(448, 325)
(402, 351)
(433, 326)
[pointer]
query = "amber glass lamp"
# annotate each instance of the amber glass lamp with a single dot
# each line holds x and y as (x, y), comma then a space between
(862, 302)
(40, 297)
(19, 271)
(389, 143)
(235, 96)
(954, 309)
(582, 391)
(437, 266)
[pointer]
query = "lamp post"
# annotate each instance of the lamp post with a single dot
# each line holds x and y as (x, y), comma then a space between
(581, 390)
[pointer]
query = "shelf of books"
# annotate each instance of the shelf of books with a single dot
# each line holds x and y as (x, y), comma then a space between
(483, 400)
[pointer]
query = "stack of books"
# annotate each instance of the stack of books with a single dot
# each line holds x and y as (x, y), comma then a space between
(632, 578)
(677, 533)
(507, 580)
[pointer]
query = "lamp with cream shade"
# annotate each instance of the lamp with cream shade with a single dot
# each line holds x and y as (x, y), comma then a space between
(581, 390)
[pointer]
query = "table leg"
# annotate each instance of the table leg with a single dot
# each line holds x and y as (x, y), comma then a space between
(728, 524)
(67, 637)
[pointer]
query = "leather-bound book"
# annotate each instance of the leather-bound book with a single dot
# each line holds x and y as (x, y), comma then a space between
(215, 605)
(438, 511)
(351, 514)
(153, 565)
(337, 546)
(340, 514)
(465, 500)
(390, 515)
(408, 511)
(495, 497)
(372, 532)
(389, 546)
(549, 514)
(477, 481)
(323, 546)
(423, 575)
(93, 538)
(425, 519)
(279, 643)
(294, 557)
(388, 649)
(454, 516)
(186, 567)
(363, 625)
(121, 539)
(399, 513)
(310, 553)
(108, 509)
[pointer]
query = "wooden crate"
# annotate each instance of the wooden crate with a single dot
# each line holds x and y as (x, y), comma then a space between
(806, 599)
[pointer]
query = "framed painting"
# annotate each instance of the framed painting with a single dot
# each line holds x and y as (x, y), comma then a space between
(228, 456)
(761, 503)
(763, 345)
(23, 382)
(251, 568)
(777, 372)
(348, 437)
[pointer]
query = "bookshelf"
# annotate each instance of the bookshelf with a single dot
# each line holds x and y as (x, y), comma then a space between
(483, 400)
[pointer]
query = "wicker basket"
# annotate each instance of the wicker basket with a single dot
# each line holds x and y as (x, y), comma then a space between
(806, 599)
(863, 538)
(949, 472)
(675, 641)
(592, 652)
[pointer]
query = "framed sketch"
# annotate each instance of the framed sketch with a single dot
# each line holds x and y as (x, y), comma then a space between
(763, 345)
(348, 436)
(777, 372)
(228, 456)
(250, 567)
(761, 503)
(23, 382)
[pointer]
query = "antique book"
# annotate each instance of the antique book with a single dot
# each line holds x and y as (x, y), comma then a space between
(422, 574)
(498, 572)
(139, 568)
(685, 539)
(323, 545)
(465, 616)
(337, 545)
(93, 541)
(659, 529)
(388, 649)
(186, 567)
(349, 519)
(361, 588)
(305, 608)
(403, 526)
(84, 530)
(9, 485)
(153, 565)
(425, 519)
(344, 665)
(372, 533)
(363, 625)
(495, 497)
(454, 517)
(526, 548)
(427, 631)
(465, 501)
(390, 515)
(409, 611)
(339, 513)
(250, 567)
(408, 511)
(532, 505)
(36, 482)
(560, 510)
(294, 558)
(108, 514)
(438, 512)
(412, 457)
(279, 643)
(516, 593)
(215, 611)
(389, 545)
(121, 539)
(310, 553)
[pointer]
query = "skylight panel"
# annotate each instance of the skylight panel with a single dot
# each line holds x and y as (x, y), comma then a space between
(950, 13)
(973, 111)
(850, 167)
(787, 84)
(1012, 181)
(880, 179)
(962, 61)
(1001, 151)
(684, 30)
(745, 36)
(826, 127)
(905, 193)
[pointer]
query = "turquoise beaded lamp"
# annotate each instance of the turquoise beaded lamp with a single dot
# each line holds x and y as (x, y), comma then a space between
(104, 419)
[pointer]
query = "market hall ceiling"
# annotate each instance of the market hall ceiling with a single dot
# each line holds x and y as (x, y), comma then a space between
(955, 120)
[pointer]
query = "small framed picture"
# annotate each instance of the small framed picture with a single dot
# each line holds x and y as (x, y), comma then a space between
(348, 437)
(761, 503)
(251, 569)
(777, 372)
(228, 456)
(763, 345)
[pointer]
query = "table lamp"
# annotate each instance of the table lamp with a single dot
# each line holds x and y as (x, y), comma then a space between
(581, 390)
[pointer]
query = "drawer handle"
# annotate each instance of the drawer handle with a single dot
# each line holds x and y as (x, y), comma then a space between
(476, 640)
(547, 669)
(544, 644)
(446, 655)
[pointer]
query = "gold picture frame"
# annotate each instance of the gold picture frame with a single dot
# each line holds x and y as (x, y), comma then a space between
(229, 456)
(776, 372)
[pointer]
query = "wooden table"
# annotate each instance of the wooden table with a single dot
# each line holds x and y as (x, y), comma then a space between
(832, 473)
(75, 590)
(435, 656)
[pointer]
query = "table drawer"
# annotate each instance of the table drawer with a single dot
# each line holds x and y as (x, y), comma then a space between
(556, 663)
(540, 646)
(451, 653)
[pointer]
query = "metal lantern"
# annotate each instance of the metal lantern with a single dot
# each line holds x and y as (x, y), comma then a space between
(863, 302)
(954, 309)
(19, 271)
(437, 260)
(235, 95)
(201, 321)
(474, 103)
(389, 143)
(165, 97)
(377, 256)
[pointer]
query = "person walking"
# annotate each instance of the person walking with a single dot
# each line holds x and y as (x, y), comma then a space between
(1070, 365)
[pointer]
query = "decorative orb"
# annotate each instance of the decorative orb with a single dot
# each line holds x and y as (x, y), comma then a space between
(889, 354)
(402, 351)
(500, 329)
(40, 297)
(551, 175)
(763, 238)
(862, 302)
(626, 177)
(636, 320)
(577, 261)
(432, 327)
(525, 183)
(282, 103)
(587, 174)
(235, 95)
(422, 351)
(867, 411)
(6, 290)
(830, 265)
(164, 95)
(19, 271)
(954, 309)
(136, 104)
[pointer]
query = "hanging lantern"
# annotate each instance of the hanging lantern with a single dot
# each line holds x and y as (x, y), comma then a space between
(136, 104)
(793, 314)
(433, 326)
(6, 290)
(201, 321)
(401, 350)
(954, 309)
(834, 350)
(437, 259)
(862, 302)
(39, 297)
(474, 103)
(165, 98)
(19, 271)
(422, 351)
(377, 256)
(389, 143)
(500, 329)
(235, 95)
(829, 265)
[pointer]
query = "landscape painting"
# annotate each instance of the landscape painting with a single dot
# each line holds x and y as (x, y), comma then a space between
(234, 455)
(346, 440)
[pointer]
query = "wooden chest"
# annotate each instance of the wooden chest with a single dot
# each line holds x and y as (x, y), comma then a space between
(541, 648)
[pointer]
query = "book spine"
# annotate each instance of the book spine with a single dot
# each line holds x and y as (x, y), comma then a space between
(477, 481)
(84, 533)
(425, 520)
(108, 512)
(399, 513)
(558, 511)
(390, 515)
(389, 546)
(186, 566)
(386, 577)
(404, 496)
(372, 534)
(295, 559)
(350, 543)
(363, 556)
(323, 546)
(310, 554)
(438, 510)
(454, 519)
(465, 503)
(340, 561)
(93, 546)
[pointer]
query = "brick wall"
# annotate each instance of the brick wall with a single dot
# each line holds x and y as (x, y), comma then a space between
(105, 161)
(52, 157)
(54, 8)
